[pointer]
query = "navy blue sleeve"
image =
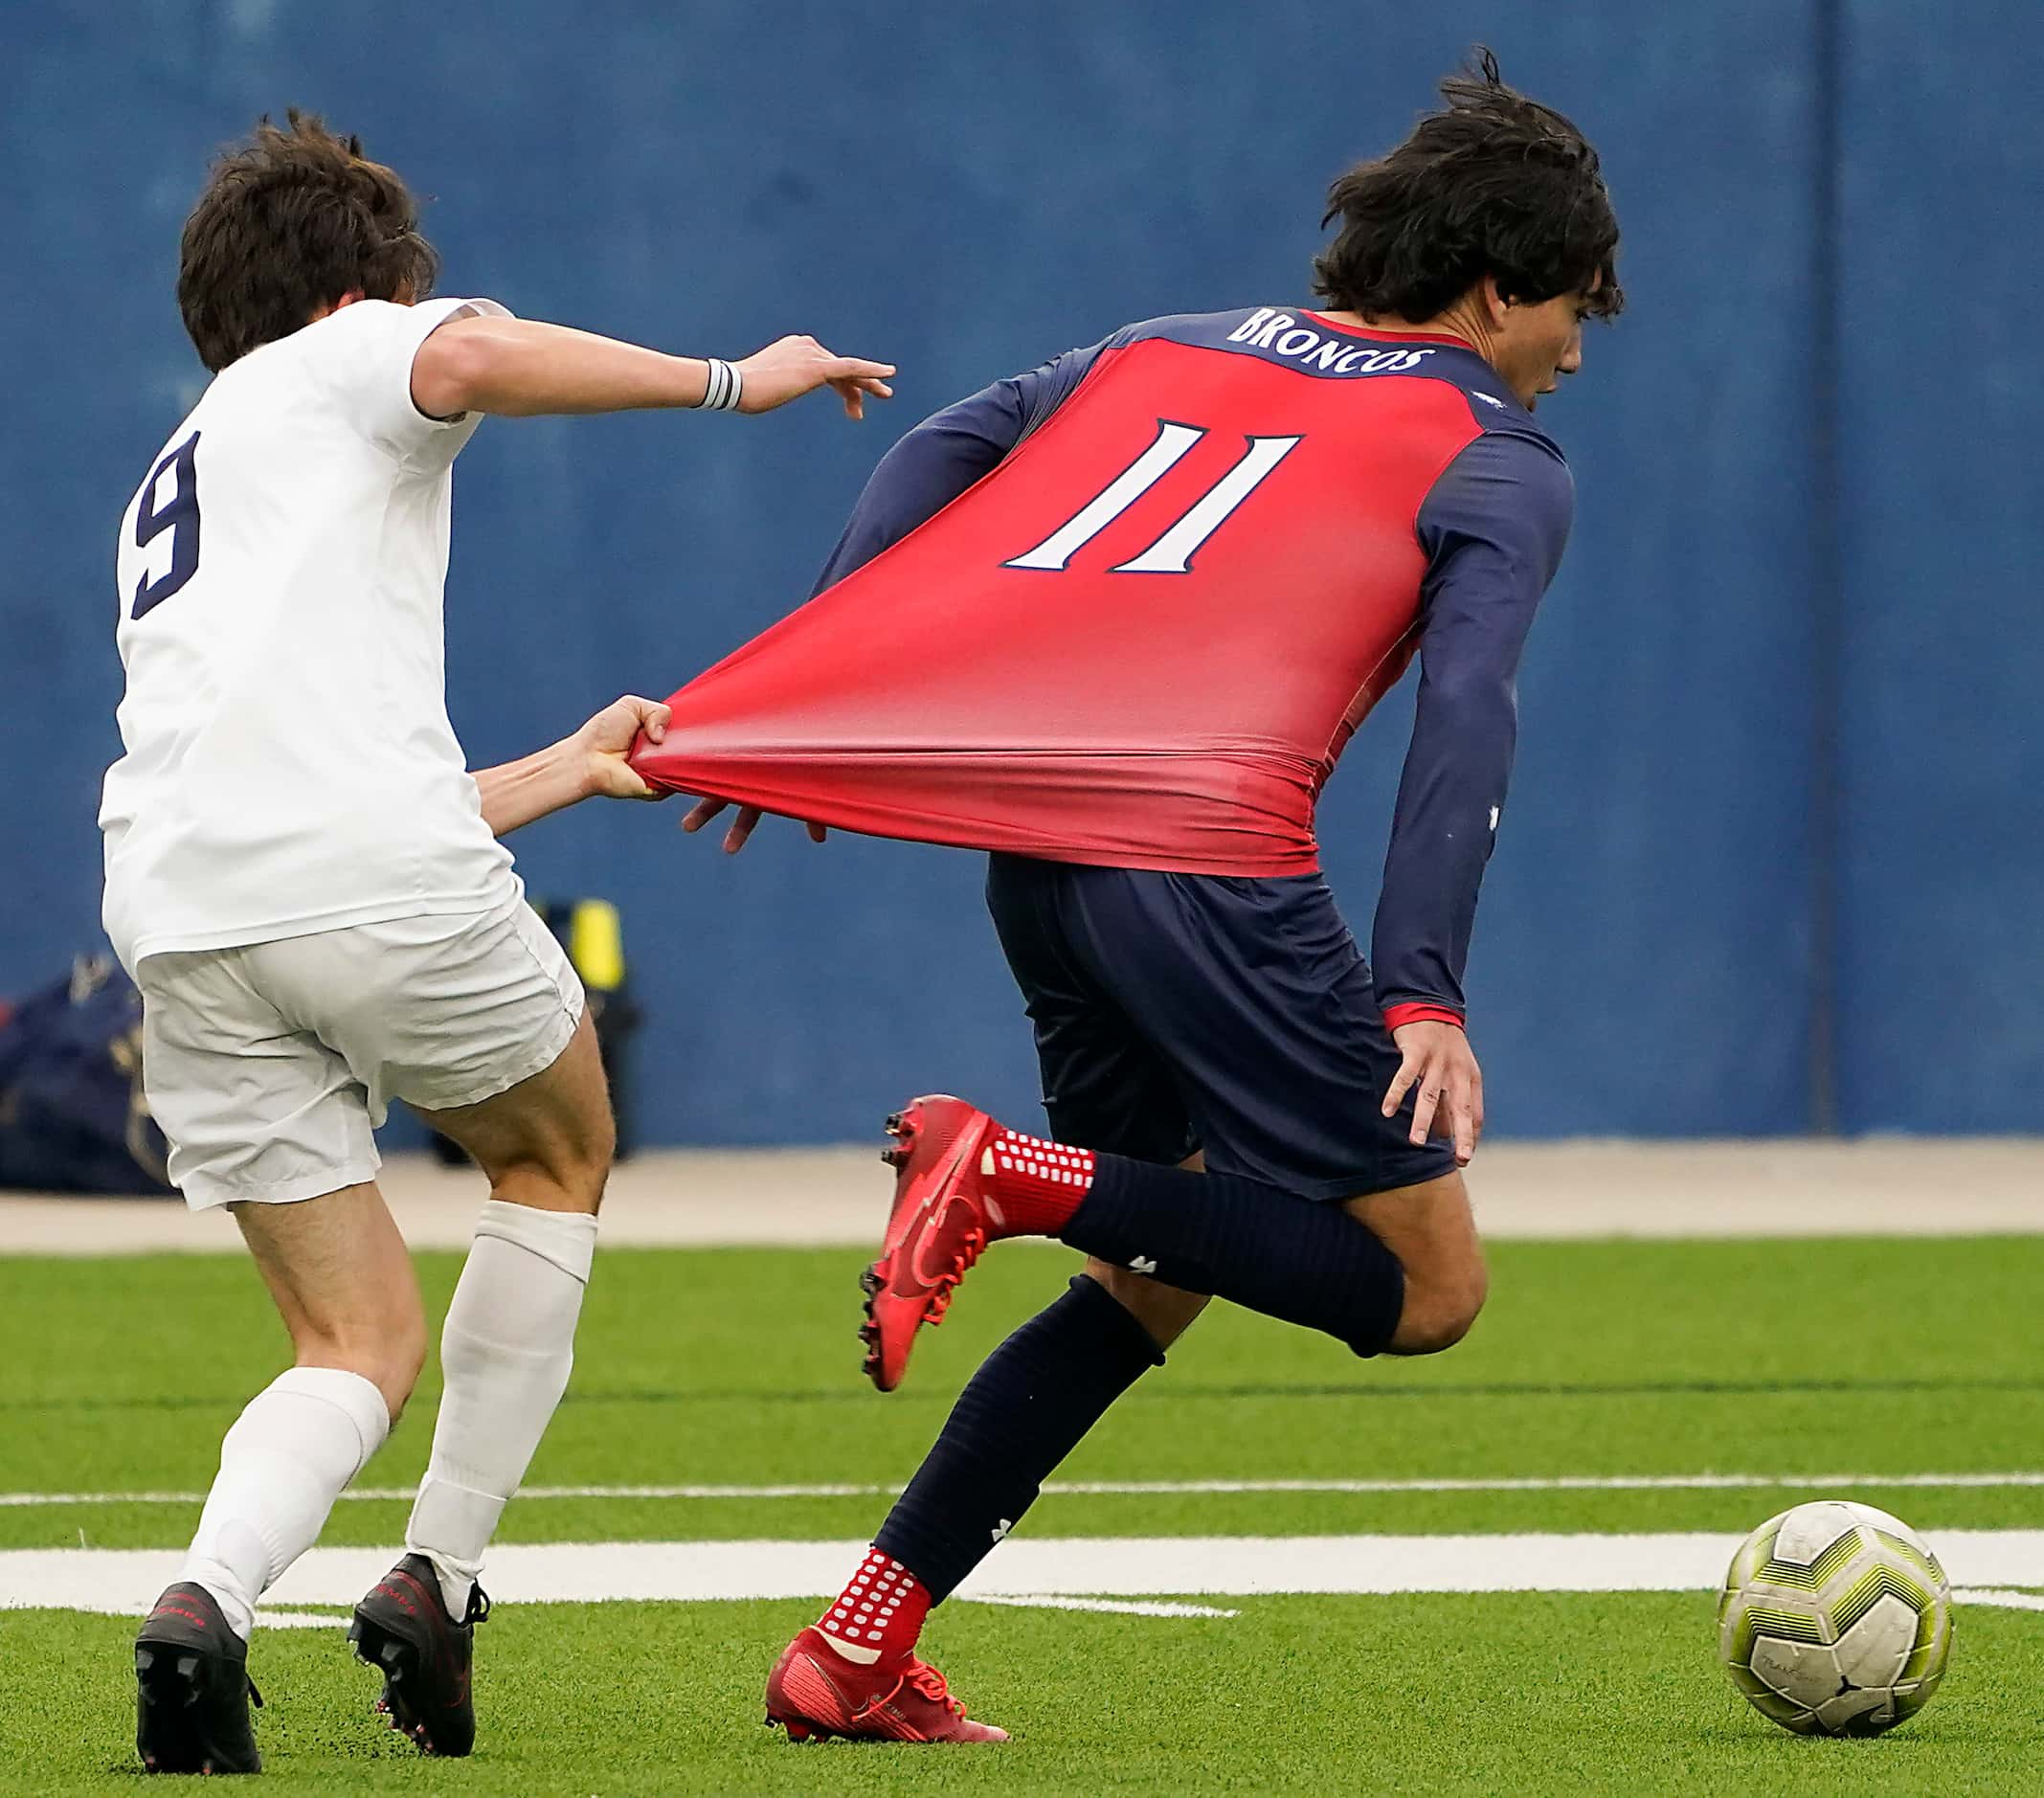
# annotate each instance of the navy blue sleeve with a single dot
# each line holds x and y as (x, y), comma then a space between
(945, 454)
(1494, 528)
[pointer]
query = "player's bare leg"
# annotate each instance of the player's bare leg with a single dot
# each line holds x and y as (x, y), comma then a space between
(546, 1145)
(1432, 1232)
(344, 1286)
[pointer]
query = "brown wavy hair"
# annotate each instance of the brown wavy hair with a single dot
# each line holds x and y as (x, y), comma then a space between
(290, 223)
(1492, 184)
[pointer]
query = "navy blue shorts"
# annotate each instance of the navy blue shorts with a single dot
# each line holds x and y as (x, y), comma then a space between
(1175, 1012)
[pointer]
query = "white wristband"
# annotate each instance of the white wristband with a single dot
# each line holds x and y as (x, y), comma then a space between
(723, 389)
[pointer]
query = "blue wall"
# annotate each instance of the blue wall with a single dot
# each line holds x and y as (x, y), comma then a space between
(1781, 758)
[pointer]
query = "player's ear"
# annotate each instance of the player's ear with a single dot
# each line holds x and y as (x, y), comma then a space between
(1492, 301)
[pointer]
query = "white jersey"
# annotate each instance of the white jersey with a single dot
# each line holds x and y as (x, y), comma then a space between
(290, 764)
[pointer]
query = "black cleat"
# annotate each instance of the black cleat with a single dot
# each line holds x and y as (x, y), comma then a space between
(403, 1631)
(193, 1689)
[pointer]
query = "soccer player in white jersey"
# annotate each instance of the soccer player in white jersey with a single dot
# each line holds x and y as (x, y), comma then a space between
(307, 886)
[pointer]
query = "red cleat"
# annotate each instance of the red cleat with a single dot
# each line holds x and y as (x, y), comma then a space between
(815, 1693)
(935, 1232)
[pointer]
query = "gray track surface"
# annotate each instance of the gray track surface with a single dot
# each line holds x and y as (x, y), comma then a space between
(1560, 1191)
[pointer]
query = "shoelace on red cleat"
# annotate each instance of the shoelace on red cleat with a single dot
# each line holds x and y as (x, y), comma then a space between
(930, 1683)
(971, 1246)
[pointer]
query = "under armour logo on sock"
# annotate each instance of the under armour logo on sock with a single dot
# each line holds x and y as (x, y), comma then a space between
(1142, 1264)
(1002, 1528)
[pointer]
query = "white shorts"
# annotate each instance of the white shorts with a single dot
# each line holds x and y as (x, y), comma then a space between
(269, 1065)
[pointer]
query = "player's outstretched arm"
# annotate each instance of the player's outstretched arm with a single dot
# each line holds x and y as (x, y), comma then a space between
(520, 367)
(590, 764)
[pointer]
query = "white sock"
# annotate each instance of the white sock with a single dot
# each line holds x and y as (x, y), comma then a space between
(287, 1459)
(505, 1355)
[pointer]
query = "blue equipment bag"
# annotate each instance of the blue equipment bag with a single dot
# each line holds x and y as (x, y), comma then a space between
(73, 1117)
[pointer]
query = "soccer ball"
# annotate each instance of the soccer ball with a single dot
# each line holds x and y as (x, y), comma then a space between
(1836, 1620)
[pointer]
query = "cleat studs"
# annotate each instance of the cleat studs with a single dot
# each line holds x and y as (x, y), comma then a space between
(893, 1125)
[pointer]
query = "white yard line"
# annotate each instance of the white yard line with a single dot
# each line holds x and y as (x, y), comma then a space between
(1034, 1601)
(1542, 1191)
(125, 1581)
(2005, 1600)
(1165, 1488)
(1126, 1606)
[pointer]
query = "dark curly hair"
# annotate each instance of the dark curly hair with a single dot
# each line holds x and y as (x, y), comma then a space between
(1493, 184)
(291, 222)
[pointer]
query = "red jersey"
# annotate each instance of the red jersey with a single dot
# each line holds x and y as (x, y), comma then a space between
(1129, 608)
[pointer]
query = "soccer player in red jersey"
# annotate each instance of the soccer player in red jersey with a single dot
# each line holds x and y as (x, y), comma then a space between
(1114, 619)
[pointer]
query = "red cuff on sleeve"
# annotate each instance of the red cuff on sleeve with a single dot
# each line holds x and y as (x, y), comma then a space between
(1397, 1015)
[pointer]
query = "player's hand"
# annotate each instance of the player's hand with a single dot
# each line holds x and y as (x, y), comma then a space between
(749, 816)
(796, 366)
(606, 739)
(1447, 1085)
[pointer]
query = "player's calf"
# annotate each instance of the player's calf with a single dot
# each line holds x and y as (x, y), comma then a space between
(1164, 1312)
(389, 1356)
(344, 1286)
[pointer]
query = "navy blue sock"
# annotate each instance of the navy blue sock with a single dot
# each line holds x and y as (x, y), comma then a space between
(1243, 1241)
(1021, 1414)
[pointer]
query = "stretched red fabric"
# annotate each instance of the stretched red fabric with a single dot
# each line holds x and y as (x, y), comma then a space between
(1182, 720)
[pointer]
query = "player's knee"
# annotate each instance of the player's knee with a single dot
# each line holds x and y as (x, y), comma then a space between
(1439, 1309)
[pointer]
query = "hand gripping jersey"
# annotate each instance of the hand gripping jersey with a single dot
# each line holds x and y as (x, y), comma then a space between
(1206, 549)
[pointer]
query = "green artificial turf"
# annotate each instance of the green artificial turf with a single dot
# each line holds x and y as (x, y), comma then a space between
(1515, 1693)
(1789, 1359)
